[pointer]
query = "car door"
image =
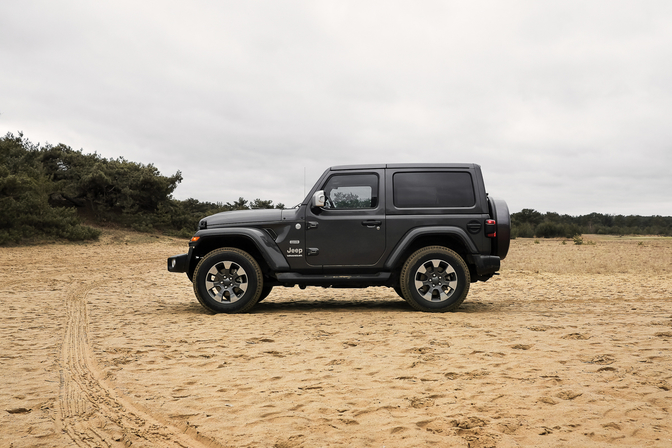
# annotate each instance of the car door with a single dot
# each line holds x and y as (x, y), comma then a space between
(350, 229)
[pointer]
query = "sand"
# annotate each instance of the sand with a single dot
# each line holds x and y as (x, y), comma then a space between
(569, 346)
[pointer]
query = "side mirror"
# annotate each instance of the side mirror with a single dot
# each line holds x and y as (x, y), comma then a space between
(318, 199)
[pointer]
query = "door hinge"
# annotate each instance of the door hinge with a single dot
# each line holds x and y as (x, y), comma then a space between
(312, 225)
(313, 251)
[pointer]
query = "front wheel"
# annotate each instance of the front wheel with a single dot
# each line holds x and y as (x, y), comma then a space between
(435, 278)
(228, 280)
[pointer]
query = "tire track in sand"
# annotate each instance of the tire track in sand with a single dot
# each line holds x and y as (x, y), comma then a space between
(90, 412)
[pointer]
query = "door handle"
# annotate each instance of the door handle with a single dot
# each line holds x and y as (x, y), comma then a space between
(370, 223)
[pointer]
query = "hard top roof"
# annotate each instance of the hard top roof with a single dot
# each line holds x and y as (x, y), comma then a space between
(463, 166)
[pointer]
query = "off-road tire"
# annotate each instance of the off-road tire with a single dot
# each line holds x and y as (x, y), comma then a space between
(228, 280)
(435, 279)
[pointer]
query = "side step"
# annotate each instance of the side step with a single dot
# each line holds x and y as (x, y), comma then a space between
(378, 279)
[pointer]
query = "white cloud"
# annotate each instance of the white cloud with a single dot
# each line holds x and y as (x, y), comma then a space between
(565, 105)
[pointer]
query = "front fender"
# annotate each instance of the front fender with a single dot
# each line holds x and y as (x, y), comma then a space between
(261, 240)
(414, 234)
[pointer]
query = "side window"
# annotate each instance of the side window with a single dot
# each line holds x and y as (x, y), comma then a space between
(433, 189)
(351, 191)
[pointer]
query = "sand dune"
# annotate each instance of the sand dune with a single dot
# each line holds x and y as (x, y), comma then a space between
(570, 346)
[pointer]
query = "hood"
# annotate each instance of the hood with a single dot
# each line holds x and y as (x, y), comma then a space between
(242, 217)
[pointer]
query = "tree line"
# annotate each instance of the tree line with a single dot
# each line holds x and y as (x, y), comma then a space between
(55, 192)
(529, 223)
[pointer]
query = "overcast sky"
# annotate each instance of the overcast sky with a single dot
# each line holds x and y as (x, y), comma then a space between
(566, 105)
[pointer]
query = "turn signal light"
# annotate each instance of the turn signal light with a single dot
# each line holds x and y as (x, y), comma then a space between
(195, 238)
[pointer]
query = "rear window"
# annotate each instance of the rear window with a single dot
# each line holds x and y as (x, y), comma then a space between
(433, 189)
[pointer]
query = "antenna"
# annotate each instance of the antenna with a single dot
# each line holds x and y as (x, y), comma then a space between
(304, 181)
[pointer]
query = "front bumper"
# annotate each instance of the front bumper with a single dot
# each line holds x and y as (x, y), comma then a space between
(178, 263)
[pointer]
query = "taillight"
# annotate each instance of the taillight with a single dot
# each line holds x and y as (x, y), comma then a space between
(491, 228)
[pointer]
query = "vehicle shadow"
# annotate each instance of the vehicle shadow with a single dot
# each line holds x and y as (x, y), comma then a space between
(336, 306)
(332, 305)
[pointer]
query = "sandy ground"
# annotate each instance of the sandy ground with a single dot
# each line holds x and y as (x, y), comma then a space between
(570, 346)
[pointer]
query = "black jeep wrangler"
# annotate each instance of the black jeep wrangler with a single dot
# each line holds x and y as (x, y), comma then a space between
(426, 230)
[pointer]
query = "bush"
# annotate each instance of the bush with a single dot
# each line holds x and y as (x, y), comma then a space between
(25, 188)
(524, 230)
(549, 229)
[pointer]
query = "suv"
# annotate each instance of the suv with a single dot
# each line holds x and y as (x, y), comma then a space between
(426, 230)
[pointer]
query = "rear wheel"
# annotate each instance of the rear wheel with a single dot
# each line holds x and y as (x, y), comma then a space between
(435, 278)
(228, 280)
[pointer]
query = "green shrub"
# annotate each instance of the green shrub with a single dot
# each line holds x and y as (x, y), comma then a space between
(548, 229)
(524, 230)
(25, 189)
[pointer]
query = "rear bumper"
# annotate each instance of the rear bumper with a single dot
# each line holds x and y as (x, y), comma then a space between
(486, 265)
(178, 263)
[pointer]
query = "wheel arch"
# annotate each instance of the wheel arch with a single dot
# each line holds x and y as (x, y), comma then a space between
(453, 238)
(253, 241)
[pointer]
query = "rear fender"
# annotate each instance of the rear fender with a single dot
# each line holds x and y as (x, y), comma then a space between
(397, 255)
